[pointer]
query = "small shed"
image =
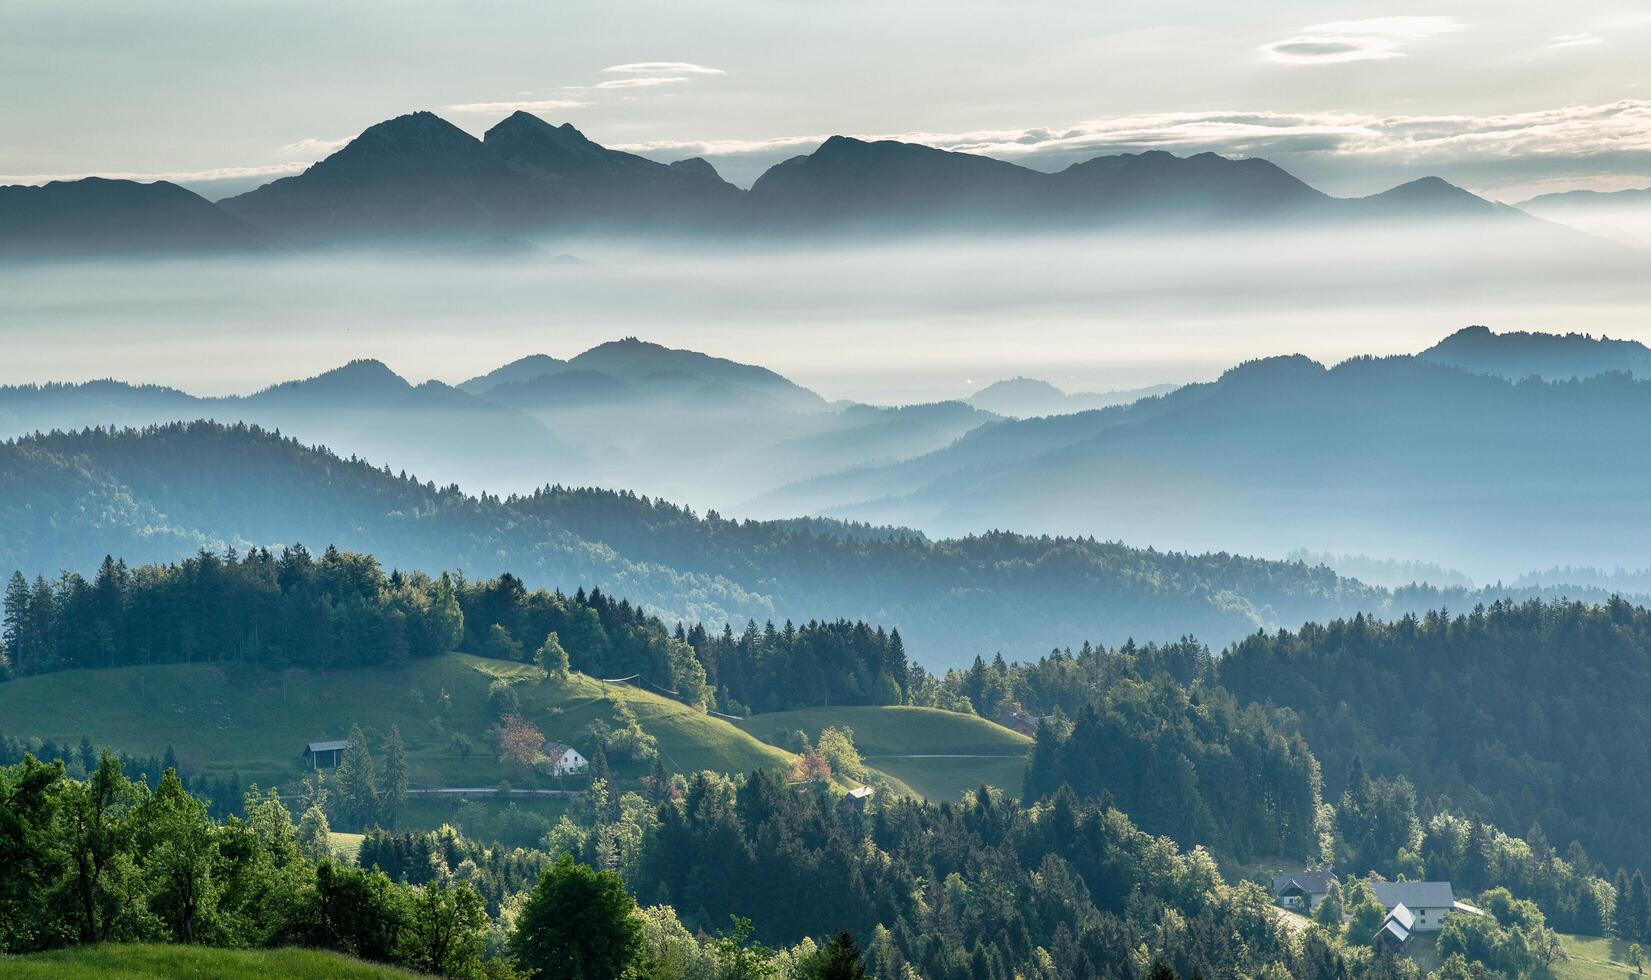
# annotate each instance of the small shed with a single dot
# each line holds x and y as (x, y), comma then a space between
(326, 754)
(857, 798)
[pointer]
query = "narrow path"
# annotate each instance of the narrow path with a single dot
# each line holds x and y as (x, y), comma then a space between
(1021, 756)
(491, 791)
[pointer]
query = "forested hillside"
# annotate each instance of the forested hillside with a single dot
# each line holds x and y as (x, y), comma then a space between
(1525, 713)
(69, 500)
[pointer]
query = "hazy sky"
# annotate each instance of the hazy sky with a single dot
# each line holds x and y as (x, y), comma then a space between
(1507, 98)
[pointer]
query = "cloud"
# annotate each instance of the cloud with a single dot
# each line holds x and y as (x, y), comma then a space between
(662, 68)
(311, 148)
(642, 81)
(176, 177)
(1561, 139)
(1373, 39)
(536, 105)
(1316, 49)
(1575, 40)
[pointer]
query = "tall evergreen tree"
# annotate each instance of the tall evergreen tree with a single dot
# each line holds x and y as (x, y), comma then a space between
(357, 783)
(393, 792)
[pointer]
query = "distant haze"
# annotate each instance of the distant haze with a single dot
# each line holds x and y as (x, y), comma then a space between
(916, 322)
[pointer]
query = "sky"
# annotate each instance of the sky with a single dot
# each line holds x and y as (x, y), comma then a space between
(1509, 99)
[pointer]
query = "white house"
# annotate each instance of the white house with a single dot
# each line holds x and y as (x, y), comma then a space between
(1428, 903)
(563, 760)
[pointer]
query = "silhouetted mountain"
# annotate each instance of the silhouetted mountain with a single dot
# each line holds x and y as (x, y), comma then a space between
(417, 182)
(524, 369)
(635, 360)
(575, 178)
(1431, 198)
(1638, 196)
(362, 409)
(415, 175)
(888, 181)
(1161, 186)
(1029, 398)
(1517, 354)
(123, 218)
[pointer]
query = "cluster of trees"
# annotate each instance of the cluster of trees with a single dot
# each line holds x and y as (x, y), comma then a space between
(223, 795)
(1517, 713)
(338, 609)
(106, 859)
(793, 667)
(1188, 763)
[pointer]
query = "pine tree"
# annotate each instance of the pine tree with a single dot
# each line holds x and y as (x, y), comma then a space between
(396, 775)
(14, 627)
(357, 783)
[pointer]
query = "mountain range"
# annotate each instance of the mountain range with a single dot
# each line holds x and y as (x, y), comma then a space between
(418, 181)
(623, 414)
(1456, 456)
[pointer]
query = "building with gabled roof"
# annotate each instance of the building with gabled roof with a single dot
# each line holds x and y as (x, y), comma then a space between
(562, 760)
(326, 754)
(1427, 902)
(1397, 928)
(1302, 891)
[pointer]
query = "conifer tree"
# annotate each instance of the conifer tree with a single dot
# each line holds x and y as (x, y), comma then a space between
(396, 775)
(357, 783)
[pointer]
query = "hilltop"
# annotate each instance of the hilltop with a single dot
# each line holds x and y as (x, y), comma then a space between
(223, 719)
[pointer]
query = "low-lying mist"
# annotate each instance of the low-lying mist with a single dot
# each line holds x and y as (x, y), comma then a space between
(917, 321)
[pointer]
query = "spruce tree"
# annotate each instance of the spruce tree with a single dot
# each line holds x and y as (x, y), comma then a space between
(396, 775)
(357, 783)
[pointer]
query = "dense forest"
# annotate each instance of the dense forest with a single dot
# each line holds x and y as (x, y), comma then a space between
(1522, 713)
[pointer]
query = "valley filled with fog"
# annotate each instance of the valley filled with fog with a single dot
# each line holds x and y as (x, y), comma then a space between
(908, 320)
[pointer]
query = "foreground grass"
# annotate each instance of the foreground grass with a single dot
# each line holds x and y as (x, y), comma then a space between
(1593, 958)
(254, 720)
(142, 962)
(964, 751)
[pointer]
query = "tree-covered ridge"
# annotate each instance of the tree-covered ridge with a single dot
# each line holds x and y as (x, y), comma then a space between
(341, 609)
(1523, 713)
(1189, 764)
(157, 495)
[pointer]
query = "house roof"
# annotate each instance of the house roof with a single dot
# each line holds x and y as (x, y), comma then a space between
(860, 792)
(1402, 916)
(555, 750)
(1393, 927)
(328, 746)
(1308, 882)
(1415, 894)
(1469, 909)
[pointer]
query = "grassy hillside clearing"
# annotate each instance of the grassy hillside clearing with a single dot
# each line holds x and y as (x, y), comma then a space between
(140, 962)
(939, 754)
(1593, 958)
(224, 718)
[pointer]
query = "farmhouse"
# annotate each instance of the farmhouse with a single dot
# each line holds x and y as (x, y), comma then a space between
(1427, 902)
(326, 754)
(1302, 891)
(563, 760)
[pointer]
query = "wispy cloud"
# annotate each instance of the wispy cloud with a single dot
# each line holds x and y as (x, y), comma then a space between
(1563, 138)
(1373, 39)
(642, 81)
(176, 176)
(531, 105)
(311, 148)
(662, 68)
(1575, 40)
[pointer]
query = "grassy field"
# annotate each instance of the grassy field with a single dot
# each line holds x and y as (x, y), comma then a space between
(1593, 958)
(253, 720)
(118, 962)
(963, 751)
